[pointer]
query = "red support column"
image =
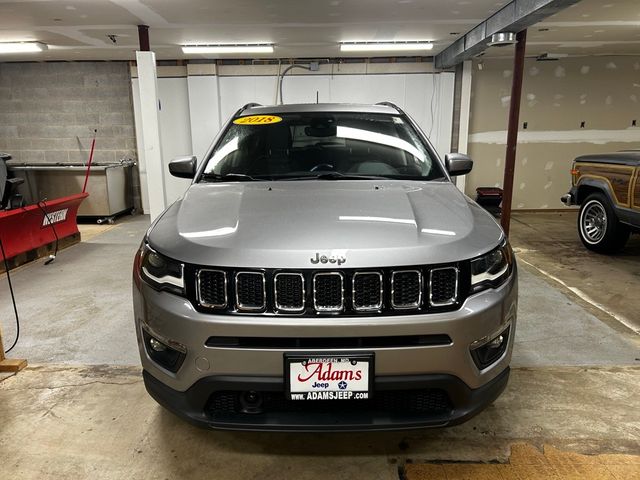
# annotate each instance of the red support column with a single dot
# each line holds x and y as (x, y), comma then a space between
(143, 38)
(512, 135)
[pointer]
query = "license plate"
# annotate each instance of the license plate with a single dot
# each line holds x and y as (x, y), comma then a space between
(329, 377)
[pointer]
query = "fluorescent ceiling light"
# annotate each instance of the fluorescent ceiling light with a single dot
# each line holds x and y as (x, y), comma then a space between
(22, 47)
(384, 46)
(247, 48)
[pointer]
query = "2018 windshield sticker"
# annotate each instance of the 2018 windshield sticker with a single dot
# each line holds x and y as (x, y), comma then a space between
(257, 120)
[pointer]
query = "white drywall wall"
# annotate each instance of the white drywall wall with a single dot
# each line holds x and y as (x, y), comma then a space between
(175, 125)
(428, 98)
(194, 107)
(204, 112)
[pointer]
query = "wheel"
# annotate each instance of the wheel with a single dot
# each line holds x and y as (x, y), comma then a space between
(599, 227)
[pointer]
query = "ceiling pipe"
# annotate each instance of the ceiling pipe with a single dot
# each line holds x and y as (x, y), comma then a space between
(516, 16)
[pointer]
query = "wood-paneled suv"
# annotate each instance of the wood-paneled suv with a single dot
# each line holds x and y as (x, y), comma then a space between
(607, 189)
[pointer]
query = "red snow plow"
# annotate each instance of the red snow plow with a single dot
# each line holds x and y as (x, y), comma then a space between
(31, 231)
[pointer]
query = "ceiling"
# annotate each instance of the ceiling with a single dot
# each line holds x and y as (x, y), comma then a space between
(79, 29)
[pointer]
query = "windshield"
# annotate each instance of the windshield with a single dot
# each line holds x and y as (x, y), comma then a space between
(321, 145)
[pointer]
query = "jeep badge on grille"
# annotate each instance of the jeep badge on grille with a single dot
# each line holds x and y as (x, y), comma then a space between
(339, 259)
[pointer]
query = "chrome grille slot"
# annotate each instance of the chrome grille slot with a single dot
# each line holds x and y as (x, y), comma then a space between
(211, 288)
(443, 286)
(328, 292)
(367, 291)
(289, 292)
(406, 289)
(250, 291)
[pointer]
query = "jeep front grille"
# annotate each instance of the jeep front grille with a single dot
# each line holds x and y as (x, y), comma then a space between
(212, 288)
(328, 292)
(289, 292)
(250, 291)
(387, 291)
(443, 286)
(406, 289)
(367, 291)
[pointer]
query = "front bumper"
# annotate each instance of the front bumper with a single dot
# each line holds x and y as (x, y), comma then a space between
(448, 368)
(570, 198)
(195, 407)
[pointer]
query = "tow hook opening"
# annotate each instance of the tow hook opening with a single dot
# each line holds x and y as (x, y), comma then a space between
(251, 402)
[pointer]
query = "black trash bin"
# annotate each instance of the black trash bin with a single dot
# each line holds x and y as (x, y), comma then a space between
(490, 198)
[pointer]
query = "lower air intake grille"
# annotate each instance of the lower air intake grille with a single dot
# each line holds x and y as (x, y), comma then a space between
(289, 292)
(250, 291)
(443, 286)
(426, 401)
(212, 288)
(406, 289)
(328, 292)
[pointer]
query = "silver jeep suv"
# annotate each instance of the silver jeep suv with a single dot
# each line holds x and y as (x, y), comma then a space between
(322, 272)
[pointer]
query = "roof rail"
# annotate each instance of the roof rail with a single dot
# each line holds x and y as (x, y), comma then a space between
(250, 105)
(392, 105)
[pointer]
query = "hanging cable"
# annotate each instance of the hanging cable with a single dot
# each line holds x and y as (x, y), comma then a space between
(13, 298)
(275, 93)
(284, 72)
(434, 82)
(55, 233)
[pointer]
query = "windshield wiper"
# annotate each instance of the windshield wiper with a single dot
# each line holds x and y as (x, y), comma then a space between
(232, 177)
(335, 176)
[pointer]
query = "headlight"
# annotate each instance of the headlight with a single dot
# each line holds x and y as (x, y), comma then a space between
(492, 270)
(161, 272)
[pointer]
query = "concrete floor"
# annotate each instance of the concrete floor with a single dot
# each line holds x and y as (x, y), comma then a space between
(608, 284)
(81, 411)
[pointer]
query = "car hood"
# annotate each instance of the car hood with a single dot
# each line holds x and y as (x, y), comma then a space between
(284, 224)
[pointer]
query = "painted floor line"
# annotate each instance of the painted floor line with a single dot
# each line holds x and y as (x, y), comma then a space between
(586, 298)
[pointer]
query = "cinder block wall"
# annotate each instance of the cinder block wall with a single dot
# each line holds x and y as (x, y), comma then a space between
(49, 110)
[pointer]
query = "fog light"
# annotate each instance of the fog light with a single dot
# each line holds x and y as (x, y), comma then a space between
(164, 355)
(496, 342)
(487, 353)
(157, 345)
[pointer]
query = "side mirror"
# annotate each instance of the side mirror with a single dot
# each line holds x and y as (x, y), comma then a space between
(183, 167)
(458, 164)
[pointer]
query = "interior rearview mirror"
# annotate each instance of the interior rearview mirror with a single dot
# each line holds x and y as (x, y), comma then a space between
(458, 164)
(183, 167)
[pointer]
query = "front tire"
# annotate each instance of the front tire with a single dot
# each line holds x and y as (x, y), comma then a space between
(599, 227)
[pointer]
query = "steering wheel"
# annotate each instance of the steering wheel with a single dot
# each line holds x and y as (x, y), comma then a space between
(320, 165)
